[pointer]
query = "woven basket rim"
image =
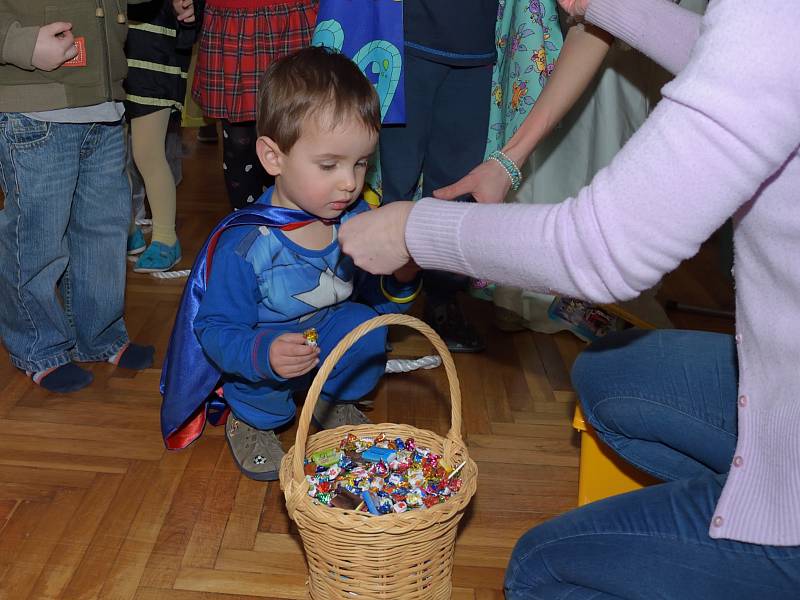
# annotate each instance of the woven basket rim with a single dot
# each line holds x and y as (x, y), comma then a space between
(292, 476)
(350, 519)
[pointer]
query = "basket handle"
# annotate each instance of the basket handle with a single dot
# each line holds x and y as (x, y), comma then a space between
(344, 344)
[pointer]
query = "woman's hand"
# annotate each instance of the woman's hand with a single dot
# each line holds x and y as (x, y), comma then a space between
(290, 356)
(488, 183)
(376, 239)
(574, 8)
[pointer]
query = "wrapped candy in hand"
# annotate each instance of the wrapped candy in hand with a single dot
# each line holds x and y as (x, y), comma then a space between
(312, 338)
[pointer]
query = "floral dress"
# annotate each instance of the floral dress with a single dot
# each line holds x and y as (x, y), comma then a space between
(528, 42)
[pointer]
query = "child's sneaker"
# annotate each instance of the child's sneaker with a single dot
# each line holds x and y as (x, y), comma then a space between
(257, 453)
(158, 257)
(207, 134)
(328, 415)
(446, 319)
(136, 243)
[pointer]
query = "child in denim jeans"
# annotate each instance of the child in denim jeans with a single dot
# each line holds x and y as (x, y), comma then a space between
(64, 224)
(448, 57)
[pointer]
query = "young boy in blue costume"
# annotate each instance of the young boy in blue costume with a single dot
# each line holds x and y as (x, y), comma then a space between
(318, 124)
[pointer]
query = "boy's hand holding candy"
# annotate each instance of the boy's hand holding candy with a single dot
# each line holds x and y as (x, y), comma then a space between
(290, 356)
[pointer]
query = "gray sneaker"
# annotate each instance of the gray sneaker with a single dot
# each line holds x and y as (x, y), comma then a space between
(328, 415)
(257, 453)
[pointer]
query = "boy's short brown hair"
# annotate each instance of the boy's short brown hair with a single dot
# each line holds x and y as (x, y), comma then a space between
(313, 81)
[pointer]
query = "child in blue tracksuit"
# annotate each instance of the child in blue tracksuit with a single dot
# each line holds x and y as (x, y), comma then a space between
(448, 57)
(318, 123)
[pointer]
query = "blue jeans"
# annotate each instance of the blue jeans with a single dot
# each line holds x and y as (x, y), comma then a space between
(62, 241)
(666, 402)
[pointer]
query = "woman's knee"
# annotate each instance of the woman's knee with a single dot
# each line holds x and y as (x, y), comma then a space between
(527, 569)
(607, 365)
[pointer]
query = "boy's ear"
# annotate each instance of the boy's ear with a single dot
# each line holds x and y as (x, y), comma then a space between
(269, 155)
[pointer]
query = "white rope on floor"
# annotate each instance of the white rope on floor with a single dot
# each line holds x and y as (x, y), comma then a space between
(406, 365)
(171, 274)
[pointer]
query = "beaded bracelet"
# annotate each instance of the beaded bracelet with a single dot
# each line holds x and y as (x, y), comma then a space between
(510, 168)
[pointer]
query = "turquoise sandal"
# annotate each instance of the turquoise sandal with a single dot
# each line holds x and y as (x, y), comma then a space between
(158, 257)
(136, 243)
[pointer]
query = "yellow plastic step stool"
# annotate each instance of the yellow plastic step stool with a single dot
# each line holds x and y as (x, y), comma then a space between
(602, 473)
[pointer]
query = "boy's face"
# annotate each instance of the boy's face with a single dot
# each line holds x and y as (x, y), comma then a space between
(324, 171)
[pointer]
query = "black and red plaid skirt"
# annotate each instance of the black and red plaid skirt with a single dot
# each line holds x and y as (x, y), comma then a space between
(238, 41)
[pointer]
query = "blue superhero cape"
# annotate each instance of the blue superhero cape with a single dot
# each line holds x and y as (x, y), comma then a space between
(188, 378)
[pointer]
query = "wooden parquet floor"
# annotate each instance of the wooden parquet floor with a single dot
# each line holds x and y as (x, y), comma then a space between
(92, 506)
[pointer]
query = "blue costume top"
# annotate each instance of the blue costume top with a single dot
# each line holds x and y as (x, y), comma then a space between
(263, 285)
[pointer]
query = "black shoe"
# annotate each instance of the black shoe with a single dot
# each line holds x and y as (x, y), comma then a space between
(207, 134)
(448, 321)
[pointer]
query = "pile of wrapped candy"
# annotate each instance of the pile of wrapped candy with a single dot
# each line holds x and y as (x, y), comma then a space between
(380, 475)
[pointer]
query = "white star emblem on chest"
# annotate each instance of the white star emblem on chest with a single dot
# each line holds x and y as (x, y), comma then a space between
(329, 291)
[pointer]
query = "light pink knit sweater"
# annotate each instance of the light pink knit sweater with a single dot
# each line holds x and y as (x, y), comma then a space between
(723, 141)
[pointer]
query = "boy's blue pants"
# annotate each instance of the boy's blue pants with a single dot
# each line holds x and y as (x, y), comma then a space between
(269, 405)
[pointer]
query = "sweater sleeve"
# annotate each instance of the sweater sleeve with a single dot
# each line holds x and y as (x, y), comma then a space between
(227, 320)
(724, 127)
(16, 42)
(658, 28)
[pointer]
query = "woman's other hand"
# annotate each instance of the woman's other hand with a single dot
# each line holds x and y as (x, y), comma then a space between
(376, 239)
(574, 8)
(488, 183)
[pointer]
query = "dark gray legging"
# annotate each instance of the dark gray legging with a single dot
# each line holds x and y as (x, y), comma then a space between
(245, 178)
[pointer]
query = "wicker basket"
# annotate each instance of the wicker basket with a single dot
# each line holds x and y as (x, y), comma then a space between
(399, 555)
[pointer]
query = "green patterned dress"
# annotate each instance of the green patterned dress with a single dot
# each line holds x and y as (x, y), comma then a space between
(528, 42)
